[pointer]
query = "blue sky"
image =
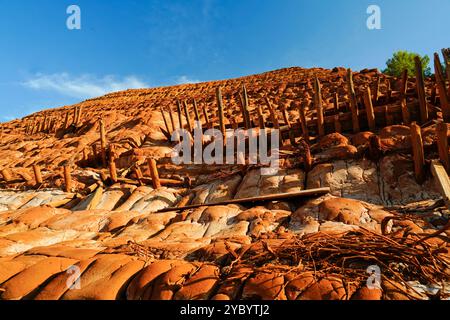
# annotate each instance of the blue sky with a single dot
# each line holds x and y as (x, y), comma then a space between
(126, 44)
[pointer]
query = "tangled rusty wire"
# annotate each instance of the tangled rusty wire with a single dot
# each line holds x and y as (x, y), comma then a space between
(350, 254)
(145, 253)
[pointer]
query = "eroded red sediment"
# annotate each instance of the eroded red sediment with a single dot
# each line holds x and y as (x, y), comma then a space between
(377, 212)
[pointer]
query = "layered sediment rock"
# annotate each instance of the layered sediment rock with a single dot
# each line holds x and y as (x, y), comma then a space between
(108, 238)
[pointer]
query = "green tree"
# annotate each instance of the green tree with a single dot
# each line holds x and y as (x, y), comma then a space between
(402, 60)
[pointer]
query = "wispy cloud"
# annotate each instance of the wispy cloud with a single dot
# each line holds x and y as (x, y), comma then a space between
(185, 80)
(82, 87)
(6, 118)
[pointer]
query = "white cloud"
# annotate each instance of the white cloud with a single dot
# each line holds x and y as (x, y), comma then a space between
(185, 80)
(82, 87)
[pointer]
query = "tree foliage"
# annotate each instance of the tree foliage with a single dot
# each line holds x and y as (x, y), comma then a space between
(402, 60)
